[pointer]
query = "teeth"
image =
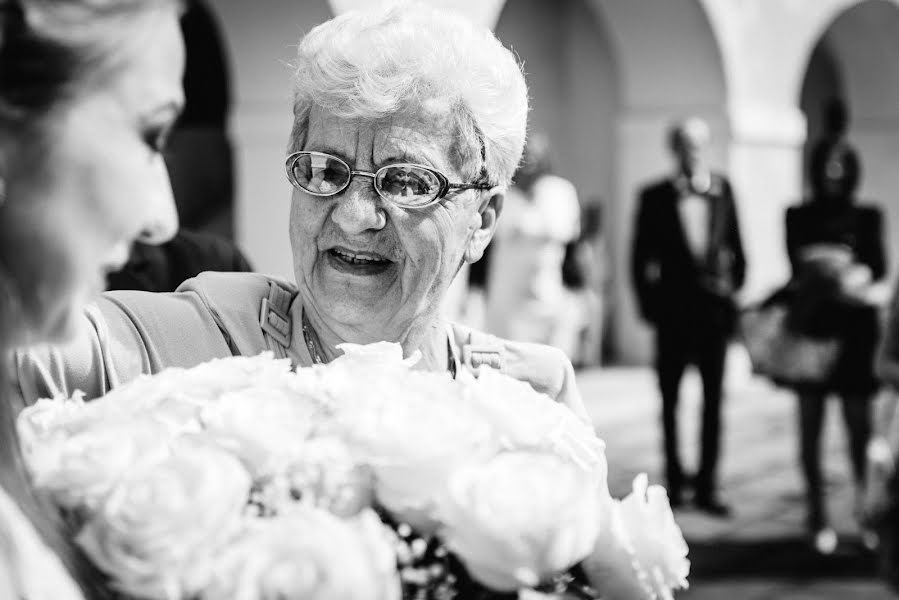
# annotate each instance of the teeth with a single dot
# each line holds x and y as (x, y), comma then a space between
(358, 259)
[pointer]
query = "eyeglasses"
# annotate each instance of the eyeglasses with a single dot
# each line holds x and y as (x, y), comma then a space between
(404, 184)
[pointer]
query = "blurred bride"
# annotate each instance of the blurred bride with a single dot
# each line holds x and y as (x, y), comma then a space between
(526, 296)
(88, 93)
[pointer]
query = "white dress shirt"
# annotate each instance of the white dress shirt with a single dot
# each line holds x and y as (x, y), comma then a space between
(693, 208)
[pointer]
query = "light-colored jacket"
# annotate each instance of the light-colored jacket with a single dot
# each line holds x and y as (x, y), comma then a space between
(215, 315)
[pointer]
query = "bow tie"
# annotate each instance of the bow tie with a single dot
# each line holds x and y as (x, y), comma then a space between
(693, 186)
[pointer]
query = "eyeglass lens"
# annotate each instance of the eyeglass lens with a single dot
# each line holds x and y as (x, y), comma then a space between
(407, 184)
(320, 174)
(404, 184)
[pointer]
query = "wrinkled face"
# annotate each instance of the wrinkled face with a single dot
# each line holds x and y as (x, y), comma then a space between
(78, 198)
(369, 269)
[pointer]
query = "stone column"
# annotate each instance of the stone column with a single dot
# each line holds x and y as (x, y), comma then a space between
(765, 158)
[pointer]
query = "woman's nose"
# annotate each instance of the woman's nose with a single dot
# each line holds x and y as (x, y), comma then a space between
(359, 209)
(161, 217)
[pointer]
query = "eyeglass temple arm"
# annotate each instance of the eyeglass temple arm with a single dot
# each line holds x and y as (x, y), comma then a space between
(468, 186)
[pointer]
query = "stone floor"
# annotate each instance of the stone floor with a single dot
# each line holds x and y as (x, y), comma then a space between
(760, 552)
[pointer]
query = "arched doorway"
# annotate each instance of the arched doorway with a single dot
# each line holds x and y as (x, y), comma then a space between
(574, 90)
(857, 59)
(573, 86)
(607, 78)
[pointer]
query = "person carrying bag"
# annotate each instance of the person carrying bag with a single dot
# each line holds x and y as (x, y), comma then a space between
(823, 327)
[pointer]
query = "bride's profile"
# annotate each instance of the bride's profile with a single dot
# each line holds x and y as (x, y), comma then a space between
(88, 92)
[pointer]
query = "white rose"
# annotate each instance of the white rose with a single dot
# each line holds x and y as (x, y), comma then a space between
(526, 419)
(154, 533)
(48, 417)
(216, 377)
(80, 465)
(201, 384)
(311, 554)
(520, 518)
(642, 553)
(379, 353)
(264, 427)
(413, 428)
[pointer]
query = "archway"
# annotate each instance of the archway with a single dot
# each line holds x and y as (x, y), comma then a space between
(573, 86)
(574, 90)
(607, 79)
(862, 36)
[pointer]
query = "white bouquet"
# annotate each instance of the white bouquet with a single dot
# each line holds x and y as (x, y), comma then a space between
(360, 479)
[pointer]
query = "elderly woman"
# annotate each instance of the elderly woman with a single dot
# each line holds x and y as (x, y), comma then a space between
(408, 125)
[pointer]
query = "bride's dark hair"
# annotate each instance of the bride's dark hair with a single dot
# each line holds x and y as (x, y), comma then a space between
(51, 52)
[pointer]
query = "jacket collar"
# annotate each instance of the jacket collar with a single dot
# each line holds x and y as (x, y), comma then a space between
(702, 184)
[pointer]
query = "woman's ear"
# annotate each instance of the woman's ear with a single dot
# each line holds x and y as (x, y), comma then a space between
(488, 213)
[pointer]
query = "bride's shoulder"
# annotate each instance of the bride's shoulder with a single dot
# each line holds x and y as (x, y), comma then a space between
(28, 568)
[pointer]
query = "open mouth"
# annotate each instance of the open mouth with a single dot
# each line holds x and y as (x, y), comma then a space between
(358, 262)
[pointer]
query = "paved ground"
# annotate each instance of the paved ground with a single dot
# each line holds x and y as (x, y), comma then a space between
(760, 553)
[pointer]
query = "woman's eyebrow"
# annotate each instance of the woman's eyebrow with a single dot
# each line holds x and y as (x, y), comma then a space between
(173, 107)
(406, 155)
(325, 149)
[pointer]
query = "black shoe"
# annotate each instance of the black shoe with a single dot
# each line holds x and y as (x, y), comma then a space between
(714, 507)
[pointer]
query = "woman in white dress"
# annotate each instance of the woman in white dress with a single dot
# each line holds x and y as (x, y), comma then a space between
(88, 91)
(526, 297)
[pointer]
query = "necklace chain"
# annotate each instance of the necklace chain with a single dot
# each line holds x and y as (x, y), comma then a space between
(308, 337)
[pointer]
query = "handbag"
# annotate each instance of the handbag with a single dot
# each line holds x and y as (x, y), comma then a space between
(784, 356)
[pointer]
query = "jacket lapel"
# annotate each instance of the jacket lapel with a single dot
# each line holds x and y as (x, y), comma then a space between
(717, 220)
(678, 231)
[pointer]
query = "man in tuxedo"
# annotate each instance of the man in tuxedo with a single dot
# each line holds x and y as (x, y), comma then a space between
(687, 263)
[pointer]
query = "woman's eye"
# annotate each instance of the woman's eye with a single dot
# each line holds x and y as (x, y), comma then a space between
(157, 138)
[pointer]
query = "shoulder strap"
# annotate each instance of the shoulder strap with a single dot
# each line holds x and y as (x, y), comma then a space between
(483, 349)
(274, 318)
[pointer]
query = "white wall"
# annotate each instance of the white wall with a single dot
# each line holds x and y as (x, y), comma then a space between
(262, 38)
(865, 42)
(593, 90)
(543, 60)
(485, 12)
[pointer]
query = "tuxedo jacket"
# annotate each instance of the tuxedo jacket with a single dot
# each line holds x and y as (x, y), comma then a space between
(673, 286)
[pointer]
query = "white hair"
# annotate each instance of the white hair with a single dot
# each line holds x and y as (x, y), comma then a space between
(369, 65)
